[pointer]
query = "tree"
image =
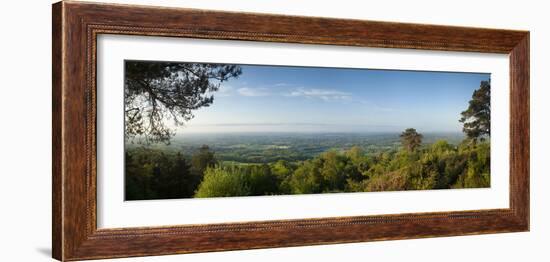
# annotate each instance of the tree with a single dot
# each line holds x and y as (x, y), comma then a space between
(223, 182)
(411, 139)
(306, 178)
(136, 181)
(477, 118)
(358, 162)
(333, 171)
(155, 92)
(392, 181)
(283, 172)
(184, 184)
(260, 179)
(203, 159)
(477, 173)
(172, 178)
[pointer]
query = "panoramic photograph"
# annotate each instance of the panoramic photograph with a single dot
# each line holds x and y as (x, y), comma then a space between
(202, 130)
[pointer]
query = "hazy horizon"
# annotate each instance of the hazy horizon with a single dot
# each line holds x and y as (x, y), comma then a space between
(314, 132)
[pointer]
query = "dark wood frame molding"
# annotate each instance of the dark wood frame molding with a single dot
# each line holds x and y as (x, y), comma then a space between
(76, 26)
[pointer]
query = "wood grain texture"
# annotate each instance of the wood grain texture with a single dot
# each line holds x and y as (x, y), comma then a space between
(57, 215)
(76, 26)
(519, 129)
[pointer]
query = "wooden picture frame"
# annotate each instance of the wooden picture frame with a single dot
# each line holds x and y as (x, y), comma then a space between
(76, 26)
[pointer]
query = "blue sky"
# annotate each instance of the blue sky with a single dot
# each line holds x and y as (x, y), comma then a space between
(308, 99)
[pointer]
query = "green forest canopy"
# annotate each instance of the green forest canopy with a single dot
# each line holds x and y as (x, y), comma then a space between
(156, 174)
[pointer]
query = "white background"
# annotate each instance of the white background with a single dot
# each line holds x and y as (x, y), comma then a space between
(25, 188)
(113, 211)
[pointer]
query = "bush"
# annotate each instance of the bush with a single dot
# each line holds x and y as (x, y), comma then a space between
(223, 182)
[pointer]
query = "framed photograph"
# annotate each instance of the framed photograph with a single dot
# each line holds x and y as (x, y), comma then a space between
(182, 130)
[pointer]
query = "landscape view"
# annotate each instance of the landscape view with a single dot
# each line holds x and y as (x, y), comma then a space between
(197, 130)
